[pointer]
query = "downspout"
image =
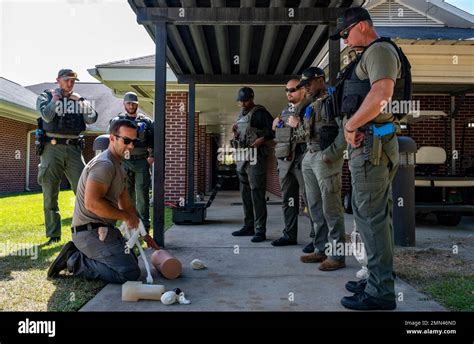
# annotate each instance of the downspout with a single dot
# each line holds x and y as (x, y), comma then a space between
(28, 151)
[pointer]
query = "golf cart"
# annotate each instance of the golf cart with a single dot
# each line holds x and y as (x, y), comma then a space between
(438, 188)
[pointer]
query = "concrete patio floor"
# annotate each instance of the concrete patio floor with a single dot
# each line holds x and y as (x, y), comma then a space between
(246, 276)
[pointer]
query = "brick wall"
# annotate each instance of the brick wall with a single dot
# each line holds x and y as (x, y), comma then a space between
(273, 185)
(176, 148)
(199, 156)
(13, 140)
(202, 159)
(175, 154)
(208, 163)
(436, 132)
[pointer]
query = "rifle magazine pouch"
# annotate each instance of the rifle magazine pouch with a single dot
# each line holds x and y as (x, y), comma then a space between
(283, 139)
(327, 136)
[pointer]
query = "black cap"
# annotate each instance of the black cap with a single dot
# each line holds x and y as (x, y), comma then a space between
(310, 74)
(245, 93)
(130, 97)
(351, 16)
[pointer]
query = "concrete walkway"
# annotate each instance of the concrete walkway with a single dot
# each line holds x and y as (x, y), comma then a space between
(244, 276)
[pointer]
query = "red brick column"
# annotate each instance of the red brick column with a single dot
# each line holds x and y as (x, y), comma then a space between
(208, 162)
(175, 150)
(273, 185)
(201, 159)
(199, 156)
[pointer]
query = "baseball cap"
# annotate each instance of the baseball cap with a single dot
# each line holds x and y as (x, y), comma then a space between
(67, 74)
(244, 94)
(352, 15)
(130, 97)
(310, 74)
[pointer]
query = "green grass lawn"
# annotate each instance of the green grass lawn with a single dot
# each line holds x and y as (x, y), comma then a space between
(443, 277)
(455, 293)
(23, 282)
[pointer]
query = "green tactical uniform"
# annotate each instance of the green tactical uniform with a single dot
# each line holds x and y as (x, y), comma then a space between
(62, 123)
(137, 167)
(289, 153)
(253, 123)
(323, 134)
(372, 202)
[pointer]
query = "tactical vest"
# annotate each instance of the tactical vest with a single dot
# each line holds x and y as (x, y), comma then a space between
(246, 134)
(143, 129)
(320, 124)
(285, 142)
(352, 90)
(68, 120)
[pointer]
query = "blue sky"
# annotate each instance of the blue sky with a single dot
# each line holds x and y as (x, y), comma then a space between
(41, 37)
(466, 5)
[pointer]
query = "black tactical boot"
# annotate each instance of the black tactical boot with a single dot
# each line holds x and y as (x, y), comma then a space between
(244, 231)
(60, 263)
(366, 302)
(356, 287)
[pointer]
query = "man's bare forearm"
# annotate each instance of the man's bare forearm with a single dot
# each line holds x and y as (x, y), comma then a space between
(125, 203)
(105, 209)
(127, 206)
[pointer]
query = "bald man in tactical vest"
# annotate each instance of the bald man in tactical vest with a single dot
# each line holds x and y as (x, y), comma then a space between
(379, 73)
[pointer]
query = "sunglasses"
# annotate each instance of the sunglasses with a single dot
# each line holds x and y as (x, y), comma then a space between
(344, 34)
(291, 90)
(128, 140)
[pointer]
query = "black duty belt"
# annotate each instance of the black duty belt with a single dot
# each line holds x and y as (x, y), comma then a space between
(86, 227)
(62, 141)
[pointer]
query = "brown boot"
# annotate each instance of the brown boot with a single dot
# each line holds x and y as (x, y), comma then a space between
(313, 258)
(331, 264)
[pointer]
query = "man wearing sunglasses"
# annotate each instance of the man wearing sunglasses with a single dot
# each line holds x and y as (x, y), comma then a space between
(137, 164)
(289, 153)
(64, 115)
(366, 85)
(97, 249)
(322, 170)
